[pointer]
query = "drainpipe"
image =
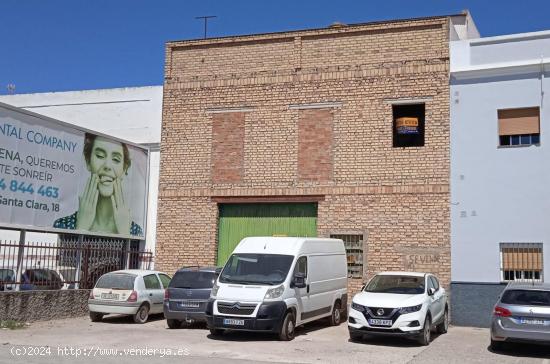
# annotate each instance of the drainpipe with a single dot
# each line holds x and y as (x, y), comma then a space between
(541, 81)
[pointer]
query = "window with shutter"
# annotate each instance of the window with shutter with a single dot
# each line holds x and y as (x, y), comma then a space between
(518, 127)
(521, 261)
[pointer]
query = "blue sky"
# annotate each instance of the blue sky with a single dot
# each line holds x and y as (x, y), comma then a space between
(60, 45)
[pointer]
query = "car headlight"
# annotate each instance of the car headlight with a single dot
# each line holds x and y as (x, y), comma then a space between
(273, 293)
(214, 291)
(357, 307)
(411, 309)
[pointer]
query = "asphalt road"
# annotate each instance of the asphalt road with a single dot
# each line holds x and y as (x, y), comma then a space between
(119, 340)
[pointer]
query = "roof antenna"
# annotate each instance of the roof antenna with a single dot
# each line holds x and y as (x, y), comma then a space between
(205, 18)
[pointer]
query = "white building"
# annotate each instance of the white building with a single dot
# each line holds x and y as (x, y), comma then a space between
(500, 174)
(132, 114)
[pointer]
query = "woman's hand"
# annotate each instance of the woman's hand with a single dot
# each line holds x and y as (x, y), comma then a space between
(121, 213)
(87, 204)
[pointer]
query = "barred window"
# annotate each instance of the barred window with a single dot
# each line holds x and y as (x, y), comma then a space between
(521, 262)
(354, 253)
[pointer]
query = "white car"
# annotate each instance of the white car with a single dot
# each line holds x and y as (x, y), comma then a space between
(130, 292)
(400, 304)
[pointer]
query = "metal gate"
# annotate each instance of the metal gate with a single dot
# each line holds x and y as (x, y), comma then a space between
(238, 221)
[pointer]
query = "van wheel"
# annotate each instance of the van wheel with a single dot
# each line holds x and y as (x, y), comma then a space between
(287, 328)
(216, 332)
(336, 317)
(444, 325)
(173, 324)
(426, 334)
(96, 316)
(142, 314)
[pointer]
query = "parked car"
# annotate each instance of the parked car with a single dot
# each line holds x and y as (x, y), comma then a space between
(522, 314)
(401, 304)
(41, 279)
(273, 284)
(186, 297)
(67, 274)
(31, 279)
(7, 279)
(130, 292)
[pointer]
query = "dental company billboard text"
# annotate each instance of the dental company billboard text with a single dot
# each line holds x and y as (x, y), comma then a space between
(55, 176)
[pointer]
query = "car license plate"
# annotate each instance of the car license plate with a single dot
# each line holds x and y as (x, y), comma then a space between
(527, 321)
(189, 304)
(109, 296)
(378, 322)
(233, 322)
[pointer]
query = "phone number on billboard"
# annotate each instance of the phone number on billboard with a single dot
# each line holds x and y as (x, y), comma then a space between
(23, 187)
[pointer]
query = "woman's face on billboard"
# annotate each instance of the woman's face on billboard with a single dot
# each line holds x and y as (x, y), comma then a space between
(107, 161)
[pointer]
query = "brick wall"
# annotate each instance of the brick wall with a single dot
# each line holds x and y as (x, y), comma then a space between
(402, 231)
(397, 197)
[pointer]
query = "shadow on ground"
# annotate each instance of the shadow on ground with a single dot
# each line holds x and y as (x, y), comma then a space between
(191, 326)
(391, 341)
(127, 319)
(520, 350)
(303, 330)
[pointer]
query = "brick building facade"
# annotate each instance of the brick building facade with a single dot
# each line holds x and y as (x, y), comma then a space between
(309, 117)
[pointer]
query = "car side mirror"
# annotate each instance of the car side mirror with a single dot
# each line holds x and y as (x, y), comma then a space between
(431, 291)
(299, 280)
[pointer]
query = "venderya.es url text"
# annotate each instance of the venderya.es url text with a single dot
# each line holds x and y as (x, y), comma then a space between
(94, 351)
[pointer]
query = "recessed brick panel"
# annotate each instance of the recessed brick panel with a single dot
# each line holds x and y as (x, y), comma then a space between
(227, 147)
(315, 137)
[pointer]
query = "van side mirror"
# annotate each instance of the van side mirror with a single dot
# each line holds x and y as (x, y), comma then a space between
(299, 280)
(431, 291)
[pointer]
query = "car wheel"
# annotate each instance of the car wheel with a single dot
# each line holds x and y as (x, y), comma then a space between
(142, 314)
(336, 317)
(216, 332)
(444, 325)
(173, 324)
(426, 334)
(96, 316)
(286, 332)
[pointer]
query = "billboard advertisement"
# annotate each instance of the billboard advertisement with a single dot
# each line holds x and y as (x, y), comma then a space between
(56, 177)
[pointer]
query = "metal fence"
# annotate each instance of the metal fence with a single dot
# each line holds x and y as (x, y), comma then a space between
(67, 264)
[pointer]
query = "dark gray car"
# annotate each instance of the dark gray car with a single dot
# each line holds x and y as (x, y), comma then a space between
(522, 314)
(186, 297)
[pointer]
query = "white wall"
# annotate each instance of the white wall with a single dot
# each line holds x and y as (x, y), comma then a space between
(504, 192)
(133, 114)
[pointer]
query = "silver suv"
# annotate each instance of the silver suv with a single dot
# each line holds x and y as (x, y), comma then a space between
(522, 314)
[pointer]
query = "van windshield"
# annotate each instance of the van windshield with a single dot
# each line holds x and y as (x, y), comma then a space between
(268, 269)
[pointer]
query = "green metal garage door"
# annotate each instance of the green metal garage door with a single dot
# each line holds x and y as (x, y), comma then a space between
(238, 221)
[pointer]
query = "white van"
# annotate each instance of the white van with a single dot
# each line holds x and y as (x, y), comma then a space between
(274, 284)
